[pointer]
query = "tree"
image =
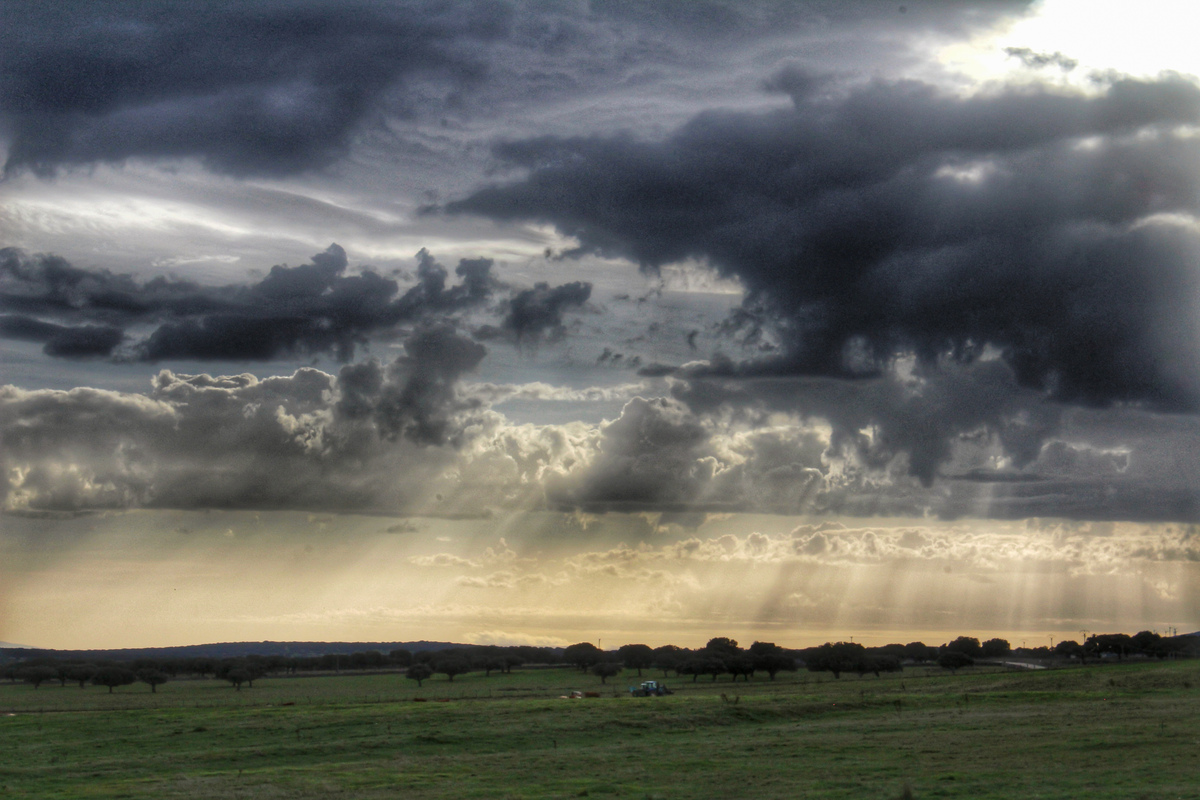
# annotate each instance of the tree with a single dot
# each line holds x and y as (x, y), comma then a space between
(237, 676)
(967, 645)
(668, 658)
(451, 665)
(606, 670)
(742, 664)
(636, 656)
(400, 658)
(367, 659)
(919, 651)
(61, 671)
(1071, 649)
(240, 670)
(202, 666)
(1121, 644)
(691, 665)
(836, 657)
(38, 674)
(881, 662)
(113, 677)
(418, 673)
(153, 677)
(771, 658)
(583, 655)
(81, 673)
(706, 663)
(723, 646)
(954, 659)
(1146, 642)
(995, 648)
(489, 658)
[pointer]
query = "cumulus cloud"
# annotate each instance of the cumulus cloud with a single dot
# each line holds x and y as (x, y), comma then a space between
(405, 438)
(655, 454)
(301, 441)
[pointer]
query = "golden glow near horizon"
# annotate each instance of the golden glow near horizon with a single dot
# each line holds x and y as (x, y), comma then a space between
(172, 578)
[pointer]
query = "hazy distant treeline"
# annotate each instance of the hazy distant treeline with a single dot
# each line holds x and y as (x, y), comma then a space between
(720, 656)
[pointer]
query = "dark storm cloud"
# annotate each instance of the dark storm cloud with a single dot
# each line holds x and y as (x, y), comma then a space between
(248, 88)
(537, 313)
(311, 308)
(890, 217)
(83, 341)
(415, 397)
(283, 87)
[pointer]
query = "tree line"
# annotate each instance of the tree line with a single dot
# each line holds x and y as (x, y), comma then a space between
(243, 671)
(719, 656)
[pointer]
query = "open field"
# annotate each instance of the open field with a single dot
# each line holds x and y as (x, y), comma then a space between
(1112, 731)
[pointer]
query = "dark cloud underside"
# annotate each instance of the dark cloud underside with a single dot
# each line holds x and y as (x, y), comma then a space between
(311, 308)
(892, 217)
(277, 88)
(255, 88)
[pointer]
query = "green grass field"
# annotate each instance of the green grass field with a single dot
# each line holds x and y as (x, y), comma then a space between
(1112, 731)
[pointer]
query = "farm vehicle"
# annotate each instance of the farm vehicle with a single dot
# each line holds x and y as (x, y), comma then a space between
(650, 689)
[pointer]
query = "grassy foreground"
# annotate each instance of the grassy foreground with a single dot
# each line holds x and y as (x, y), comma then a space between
(1127, 731)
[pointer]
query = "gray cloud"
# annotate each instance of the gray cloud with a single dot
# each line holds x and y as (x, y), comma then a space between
(408, 438)
(533, 314)
(308, 309)
(417, 396)
(921, 416)
(890, 217)
(1041, 60)
(278, 88)
(372, 438)
(656, 454)
(271, 88)
(62, 341)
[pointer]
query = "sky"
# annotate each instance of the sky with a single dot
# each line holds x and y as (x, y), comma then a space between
(536, 323)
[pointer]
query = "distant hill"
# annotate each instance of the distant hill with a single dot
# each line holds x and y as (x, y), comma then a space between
(11, 646)
(224, 650)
